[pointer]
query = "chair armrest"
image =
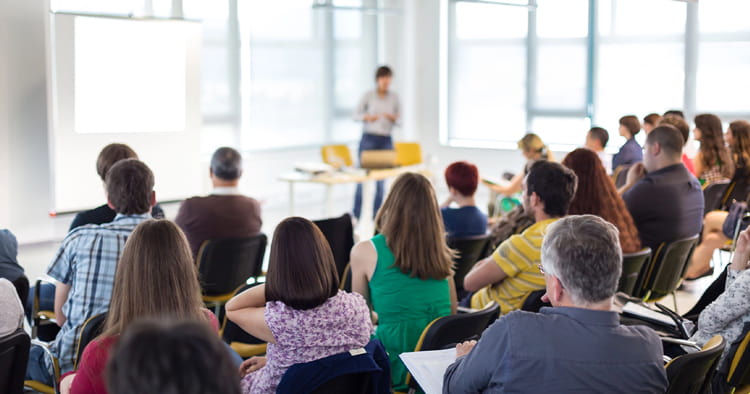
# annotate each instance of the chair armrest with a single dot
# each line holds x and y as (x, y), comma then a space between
(55, 363)
(463, 309)
(681, 342)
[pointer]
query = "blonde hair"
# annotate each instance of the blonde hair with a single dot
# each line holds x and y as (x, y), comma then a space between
(533, 143)
(413, 228)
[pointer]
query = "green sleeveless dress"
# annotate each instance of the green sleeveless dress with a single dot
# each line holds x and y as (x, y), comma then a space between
(405, 306)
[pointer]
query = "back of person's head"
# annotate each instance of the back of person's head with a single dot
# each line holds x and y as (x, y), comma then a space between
(226, 164)
(669, 139)
(599, 134)
(462, 176)
(110, 155)
(631, 123)
(170, 357)
(712, 148)
(532, 143)
(155, 276)
(383, 71)
(130, 184)
(554, 184)
(652, 119)
(740, 130)
(8, 247)
(411, 223)
(675, 112)
(583, 252)
(678, 123)
(301, 270)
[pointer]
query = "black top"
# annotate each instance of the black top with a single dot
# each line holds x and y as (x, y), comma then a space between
(9, 268)
(666, 205)
(105, 214)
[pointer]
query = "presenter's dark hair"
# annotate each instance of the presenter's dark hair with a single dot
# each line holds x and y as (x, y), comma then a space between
(301, 270)
(554, 184)
(668, 138)
(110, 155)
(600, 134)
(383, 71)
(129, 186)
(170, 357)
(631, 123)
(679, 124)
(226, 163)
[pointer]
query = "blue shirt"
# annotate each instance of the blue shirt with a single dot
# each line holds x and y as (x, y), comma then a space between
(562, 350)
(464, 221)
(630, 153)
(87, 261)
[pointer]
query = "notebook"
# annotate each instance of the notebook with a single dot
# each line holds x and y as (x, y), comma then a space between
(428, 367)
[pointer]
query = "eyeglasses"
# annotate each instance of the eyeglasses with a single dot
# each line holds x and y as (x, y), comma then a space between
(541, 268)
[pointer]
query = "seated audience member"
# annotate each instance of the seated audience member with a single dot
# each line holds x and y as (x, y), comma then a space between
(596, 140)
(674, 112)
(684, 128)
(466, 220)
(9, 267)
(11, 310)
(300, 310)
(650, 122)
(664, 199)
(630, 153)
(533, 149)
(596, 195)
(405, 272)
(223, 213)
(738, 138)
(85, 264)
(578, 345)
(170, 357)
(511, 273)
(156, 277)
(714, 160)
(109, 155)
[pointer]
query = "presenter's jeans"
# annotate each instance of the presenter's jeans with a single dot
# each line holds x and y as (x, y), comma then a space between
(371, 142)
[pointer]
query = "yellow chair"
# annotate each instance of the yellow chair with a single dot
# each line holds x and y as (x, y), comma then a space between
(408, 153)
(39, 386)
(738, 378)
(692, 372)
(337, 155)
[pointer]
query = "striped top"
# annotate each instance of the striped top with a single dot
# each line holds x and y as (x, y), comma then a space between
(518, 257)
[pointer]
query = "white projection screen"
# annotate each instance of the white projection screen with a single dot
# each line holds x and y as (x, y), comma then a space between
(133, 81)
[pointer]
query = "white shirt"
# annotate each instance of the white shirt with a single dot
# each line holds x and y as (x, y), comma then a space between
(606, 159)
(11, 310)
(226, 191)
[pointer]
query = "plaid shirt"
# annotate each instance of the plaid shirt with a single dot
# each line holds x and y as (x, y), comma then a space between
(87, 261)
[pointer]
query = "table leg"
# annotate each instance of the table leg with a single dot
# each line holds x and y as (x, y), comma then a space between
(291, 198)
(366, 224)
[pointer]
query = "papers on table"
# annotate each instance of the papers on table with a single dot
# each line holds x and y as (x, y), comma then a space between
(428, 367)
(641, 311)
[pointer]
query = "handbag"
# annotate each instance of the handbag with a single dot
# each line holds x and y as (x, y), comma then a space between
(736, 217)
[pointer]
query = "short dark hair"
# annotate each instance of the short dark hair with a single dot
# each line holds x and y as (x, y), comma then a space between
(600, 134)
(679, 123)
(129, 186)
(226, 163)
(383, 71)
(668, 138)
(652, 119)
(110, 155)
(554, 184)
(675, 112)
(301, 270)
(462, 176)
(171, 357)
(632, 123)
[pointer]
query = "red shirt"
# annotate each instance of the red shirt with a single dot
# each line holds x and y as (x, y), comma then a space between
(688, 163)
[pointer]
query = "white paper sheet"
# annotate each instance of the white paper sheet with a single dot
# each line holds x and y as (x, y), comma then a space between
(638, 310)
(428, 367)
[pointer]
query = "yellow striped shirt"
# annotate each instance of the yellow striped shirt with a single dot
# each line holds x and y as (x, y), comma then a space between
(518, 257)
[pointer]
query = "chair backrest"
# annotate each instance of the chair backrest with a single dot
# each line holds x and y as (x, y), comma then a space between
(620, 175)
(345, 280)
(470, 250)
(230, 332)
(738, 189)
(340, 235)
(336, 155)
(661, 276)
(739, 367)
(91, 328)
(14, 357)
(447, 331)
(22, 288)
(632, 263)
(407, 153)
(688, 374)
(713, 196)
(533, 301)
(226, 263)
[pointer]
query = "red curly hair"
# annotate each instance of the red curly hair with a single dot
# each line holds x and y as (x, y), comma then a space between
(597, 195)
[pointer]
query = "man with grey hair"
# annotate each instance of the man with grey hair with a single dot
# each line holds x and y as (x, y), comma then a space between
(578, 345)
(223, 213)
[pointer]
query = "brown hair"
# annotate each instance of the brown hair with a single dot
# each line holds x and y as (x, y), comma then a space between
(533, 143)
(679, 124)
(668, 138)
(411, 223)
(129, 186)
(652, 119)
(713, 152)
(301, 270)
(632, 123)
(597, 195)
(741, 147)
(155, 277)
(110, 155)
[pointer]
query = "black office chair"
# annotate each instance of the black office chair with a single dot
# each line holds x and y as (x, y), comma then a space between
(713, 196)
(14, 357)
(663, 273)
(738, 190)
(340, 235)
(90, 329)
(226, 264)
(43, 323)
(632, 263)
(692, 373)
(620, 175)
(470, 250)
(738, 377)
(533, 301)
(243, 343)
(22, 288)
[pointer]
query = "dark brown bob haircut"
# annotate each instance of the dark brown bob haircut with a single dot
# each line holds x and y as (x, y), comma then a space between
(110, 155)
(632, 123)
(301, 270)
(129, 186)
(679, 124)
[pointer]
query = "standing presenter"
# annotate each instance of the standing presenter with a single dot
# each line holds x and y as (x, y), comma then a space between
(379, 111)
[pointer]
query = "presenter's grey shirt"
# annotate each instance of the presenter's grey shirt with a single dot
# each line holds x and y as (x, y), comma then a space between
(372, 104)
(561, 350)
